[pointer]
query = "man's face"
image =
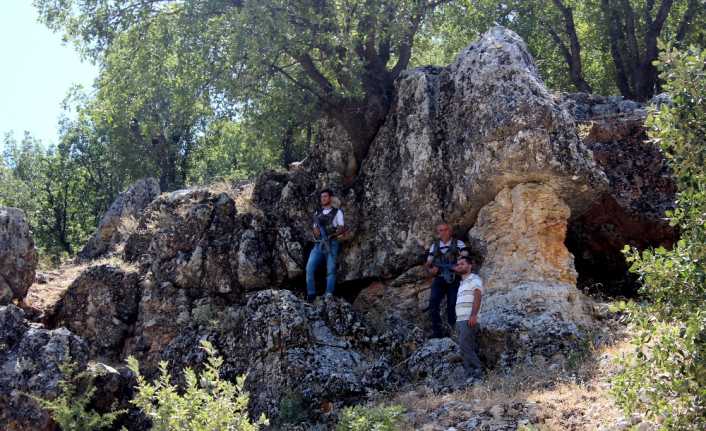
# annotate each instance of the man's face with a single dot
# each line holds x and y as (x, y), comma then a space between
(444, 232)
(463, 267)
(325, 199)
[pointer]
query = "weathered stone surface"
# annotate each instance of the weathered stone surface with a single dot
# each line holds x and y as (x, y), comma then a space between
(197, 241)
(116, 223)
(18, 257)
(438, 364)
(531, 303)
(521, 235)
(29, 359)
(320, 353)
(642, 188)
(101, 307)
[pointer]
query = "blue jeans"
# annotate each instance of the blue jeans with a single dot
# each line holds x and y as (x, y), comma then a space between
(315, 259)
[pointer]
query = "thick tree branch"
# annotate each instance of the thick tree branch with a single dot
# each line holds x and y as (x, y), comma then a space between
(691, 10)
(322, 99)
(633, 51)
(312, 72)
(661, 17)
(647, 13)
(572, 54)
(621, 76)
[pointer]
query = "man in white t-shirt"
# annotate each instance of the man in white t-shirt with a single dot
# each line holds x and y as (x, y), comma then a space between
(468, 302)
(327, 227)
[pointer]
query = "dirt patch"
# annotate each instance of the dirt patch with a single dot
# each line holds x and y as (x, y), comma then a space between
(49, 286)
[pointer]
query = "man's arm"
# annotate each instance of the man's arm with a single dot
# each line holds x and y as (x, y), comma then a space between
(341, 228)
(315, 227)
(473, 320)
(430, 259)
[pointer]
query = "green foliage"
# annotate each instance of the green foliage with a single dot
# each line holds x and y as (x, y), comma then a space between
(666, 374)
(229, 150)
(379, 418)
(292, 409)
(171, 68)
(70, 410)
(53, 190)
(208, 402)
(544, 27)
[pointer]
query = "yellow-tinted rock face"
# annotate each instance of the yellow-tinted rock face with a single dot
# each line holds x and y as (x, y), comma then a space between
(523, 232)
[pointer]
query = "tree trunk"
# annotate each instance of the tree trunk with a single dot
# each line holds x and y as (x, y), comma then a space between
(166, 161)
(362, 119)
(288, 146)
(572, 55)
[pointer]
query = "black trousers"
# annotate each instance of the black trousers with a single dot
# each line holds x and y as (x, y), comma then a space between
(439, 289)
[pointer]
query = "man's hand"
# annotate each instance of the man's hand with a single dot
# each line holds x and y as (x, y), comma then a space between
(317, 232)
(433, 270)
(472, 321)
(341, 232)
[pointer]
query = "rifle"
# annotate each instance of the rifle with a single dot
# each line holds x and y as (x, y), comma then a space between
(446, 271)
(323, 236)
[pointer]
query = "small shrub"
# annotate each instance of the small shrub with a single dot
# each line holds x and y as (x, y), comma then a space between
(70, 409)
(207, 404)
(292, 409)
(362, 418)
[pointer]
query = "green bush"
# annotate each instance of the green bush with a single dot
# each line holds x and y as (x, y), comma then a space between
(70, 409)
(292, 408)
(362, 418)
(665, 376)
(207, 404)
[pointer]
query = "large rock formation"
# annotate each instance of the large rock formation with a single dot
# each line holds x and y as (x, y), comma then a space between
(632, 210)
(18, 257)
(117, 222)
(30, 360)
(101, 307)
(454, 139)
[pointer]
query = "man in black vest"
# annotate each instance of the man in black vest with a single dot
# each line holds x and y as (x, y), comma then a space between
(328, 226)
(440, 262)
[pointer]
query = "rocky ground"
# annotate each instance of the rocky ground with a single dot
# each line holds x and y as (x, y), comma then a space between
(557, 393)
(563, 393)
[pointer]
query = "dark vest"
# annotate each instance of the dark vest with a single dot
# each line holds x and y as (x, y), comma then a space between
(326, 220)
(451, 254)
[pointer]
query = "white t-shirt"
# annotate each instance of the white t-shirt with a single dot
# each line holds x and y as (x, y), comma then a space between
(444, 246)
(338, 220)
(466, 296)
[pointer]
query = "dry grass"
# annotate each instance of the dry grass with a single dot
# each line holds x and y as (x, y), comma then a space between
(43, 297)
(563, 398)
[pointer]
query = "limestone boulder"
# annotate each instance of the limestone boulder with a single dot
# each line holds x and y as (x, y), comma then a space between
(197, 241)
(531, 304)
(30, 360)
(18, 257)
(120, 218)
(101, 307)
(455, 137)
